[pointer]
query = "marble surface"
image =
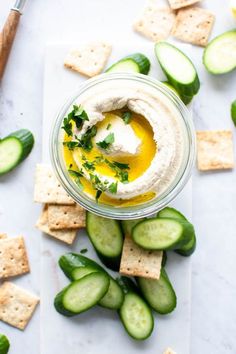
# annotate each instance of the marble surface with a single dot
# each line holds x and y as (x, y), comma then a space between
(213, 281)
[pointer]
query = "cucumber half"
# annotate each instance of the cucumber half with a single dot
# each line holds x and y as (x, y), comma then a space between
(76, 267)
(233, 112)
(135, 313)
(82, 294)
(219, 56)
(133, 63)
(160, 234)
(4, 344)
(178, 68)
(107, 239)
(14, 149)
(159, 294)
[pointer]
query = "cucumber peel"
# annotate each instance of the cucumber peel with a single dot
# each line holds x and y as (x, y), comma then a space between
(233, 112)
(219, 56)
(134, 63)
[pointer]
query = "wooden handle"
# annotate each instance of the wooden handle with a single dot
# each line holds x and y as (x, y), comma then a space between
(7, 37)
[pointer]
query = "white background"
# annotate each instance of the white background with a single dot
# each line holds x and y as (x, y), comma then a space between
(214, 211)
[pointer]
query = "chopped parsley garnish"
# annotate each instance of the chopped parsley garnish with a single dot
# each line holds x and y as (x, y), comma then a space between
(105, 144)
(84, 250)
(71, 144)
(89, 166)
(78, 116)
(77, 175)
(102, 186)
(127, 116)
(122, 166)
(108, 126)
(85, 142)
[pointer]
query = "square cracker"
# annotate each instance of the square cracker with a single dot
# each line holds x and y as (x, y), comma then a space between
(67, 236)
(89, 59)
(155, 23)
(177, 4)
(215, 150)
(47, 188)
(193, 25)
(66, 217)
(137, 262)
(16, 305)
(13, 257)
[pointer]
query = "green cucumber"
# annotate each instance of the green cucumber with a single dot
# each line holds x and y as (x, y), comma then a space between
(161, 234)
(76, 266)
(127, 225)
(107, 239)
(178, 68)
(190, 246)
(233, 112)
(159, 294)
(164, 259)
(14, 149)
(114, 297)
(173, 213)
(167, 84)
(219, 56)
(134, 63)
(82, 294)
(135, 313)
(4, 344)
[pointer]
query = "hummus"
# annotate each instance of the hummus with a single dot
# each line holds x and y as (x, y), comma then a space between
(137, 148)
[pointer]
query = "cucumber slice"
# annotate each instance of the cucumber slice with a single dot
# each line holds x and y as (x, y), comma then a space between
(14, 149)
(167, 84)
(169, 212)
(219, 56)
(76, 267)
(134, 63)
(114, 297)
(127, 225)
(159, 294)
(135, 313)
(107, 239)
(233, 112)
(190, 246)
(178, 69)
(186, 99)
(4, 344)
(160, 234)
(82, 294)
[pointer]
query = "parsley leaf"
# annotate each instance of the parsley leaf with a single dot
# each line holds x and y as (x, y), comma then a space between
(76, 175)
(122, 166)
(77, 115)
(113, 187)
(71, 144)
(89, 166)
(108, 126)
(85, 142)
(126, 116)
(105, 144)
(84, 250)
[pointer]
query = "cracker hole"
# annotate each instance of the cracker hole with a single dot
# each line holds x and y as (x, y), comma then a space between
(139, 260)
(65, 212)
(147, 272)
(59, 185)
(12, 297)
(131, 249)
(128, 269)
(91, 50)
(74, 222)
(95, 63)
(29, 306)
(149, 252)
(57, 223)
(16, 308)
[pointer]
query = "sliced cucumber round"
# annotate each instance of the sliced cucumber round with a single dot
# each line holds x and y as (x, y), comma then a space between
(159, 294)
(173, 213)
(114, 297)
(134, 63)
(107, 239)
(135, 313)
(233, 112)
(82, 294)
(159, 234)
(4, 344)
(178, 69)
(219, 56)
(14, 149)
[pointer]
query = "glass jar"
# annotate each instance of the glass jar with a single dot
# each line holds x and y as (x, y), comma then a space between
(94, 86)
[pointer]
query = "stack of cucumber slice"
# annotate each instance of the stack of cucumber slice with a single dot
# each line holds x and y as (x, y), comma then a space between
(135, 299)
